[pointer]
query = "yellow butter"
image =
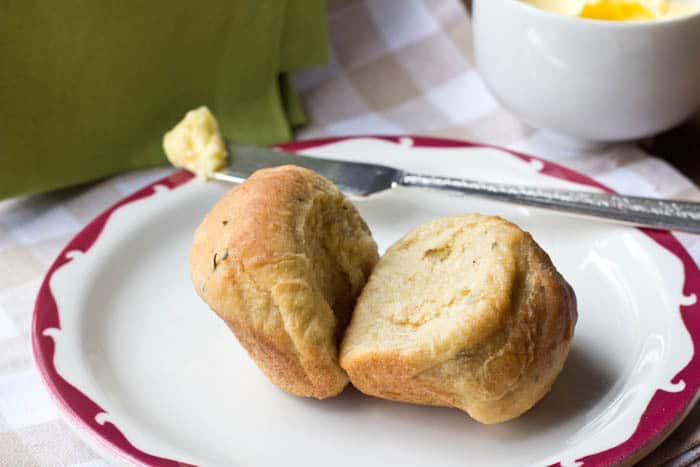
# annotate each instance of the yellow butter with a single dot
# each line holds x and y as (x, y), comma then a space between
(618, 10)
(196, 144)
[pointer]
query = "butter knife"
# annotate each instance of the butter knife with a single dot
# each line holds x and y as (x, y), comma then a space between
(361, 179)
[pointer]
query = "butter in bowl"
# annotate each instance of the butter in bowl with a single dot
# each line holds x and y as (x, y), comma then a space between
(591, 72)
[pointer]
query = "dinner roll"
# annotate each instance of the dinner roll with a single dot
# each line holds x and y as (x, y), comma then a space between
(281, 259)
(464, 312)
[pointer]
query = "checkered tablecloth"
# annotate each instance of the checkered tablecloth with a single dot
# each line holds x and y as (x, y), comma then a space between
(396, 68)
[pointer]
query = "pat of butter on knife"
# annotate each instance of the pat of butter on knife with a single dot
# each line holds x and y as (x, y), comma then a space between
(196, 144)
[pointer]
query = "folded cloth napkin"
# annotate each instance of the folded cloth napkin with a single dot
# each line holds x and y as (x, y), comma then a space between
(87, 89)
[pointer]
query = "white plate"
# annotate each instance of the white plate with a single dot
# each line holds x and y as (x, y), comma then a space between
(137, 361)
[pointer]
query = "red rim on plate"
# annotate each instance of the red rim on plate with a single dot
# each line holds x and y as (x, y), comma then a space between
(664, 412)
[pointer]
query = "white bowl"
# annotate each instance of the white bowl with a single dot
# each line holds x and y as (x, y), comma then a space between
(585, 81)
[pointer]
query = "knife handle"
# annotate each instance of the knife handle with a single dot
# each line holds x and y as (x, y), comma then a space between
(644, 212)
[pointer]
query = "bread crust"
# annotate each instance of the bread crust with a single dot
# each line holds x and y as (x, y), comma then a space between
(281, 259)
(493, 354)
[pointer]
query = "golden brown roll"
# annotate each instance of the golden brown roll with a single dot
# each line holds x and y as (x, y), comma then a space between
(464, 312)
(281, 259)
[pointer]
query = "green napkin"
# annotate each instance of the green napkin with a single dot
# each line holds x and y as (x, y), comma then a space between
(88, 88)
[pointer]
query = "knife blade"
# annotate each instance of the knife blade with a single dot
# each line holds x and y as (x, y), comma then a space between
(362, 179)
